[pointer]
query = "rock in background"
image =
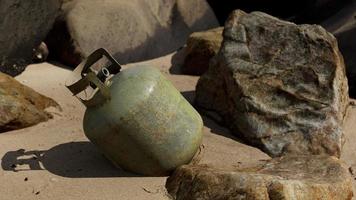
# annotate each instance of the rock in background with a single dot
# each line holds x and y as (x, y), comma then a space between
(20, 106)
(287, 178)
(280, 86)
(23, 25)
(133, 30)
(201, 47)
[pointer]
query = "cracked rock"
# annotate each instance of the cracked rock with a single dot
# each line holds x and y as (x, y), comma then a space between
(287, 178)
(21, 106)
(280, 86)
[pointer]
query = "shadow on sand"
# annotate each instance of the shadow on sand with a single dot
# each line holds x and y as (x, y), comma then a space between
(211, 119)
(189, 96)
(177, 61)
(72, 160)
(82, 159)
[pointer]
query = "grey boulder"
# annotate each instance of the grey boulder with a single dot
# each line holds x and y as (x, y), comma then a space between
(132, 31)
(23, 25)
(280, 86)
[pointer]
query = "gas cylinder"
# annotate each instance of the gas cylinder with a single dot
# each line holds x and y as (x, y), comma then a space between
(136, 117)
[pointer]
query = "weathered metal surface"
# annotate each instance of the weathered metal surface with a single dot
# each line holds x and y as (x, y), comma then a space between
(147, 126)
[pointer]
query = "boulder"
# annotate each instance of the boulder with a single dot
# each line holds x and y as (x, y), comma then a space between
(201, 47)
(20, 106)
(280, 86)
(287, 178)
(132, 31)
(23, 25)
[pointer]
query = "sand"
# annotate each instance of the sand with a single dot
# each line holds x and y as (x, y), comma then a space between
(60, 163)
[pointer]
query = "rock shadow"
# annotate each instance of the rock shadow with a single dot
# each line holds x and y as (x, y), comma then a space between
(177, 61)
(347, 41)
(71, 160)
(162, 41)
(211, 119)
(189, 96)
(219, 129)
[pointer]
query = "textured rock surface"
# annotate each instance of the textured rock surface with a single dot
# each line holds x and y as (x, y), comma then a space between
(280, 86)
(23, 25)
(201, 47)
(291, 177)
(20, 106)
(132, 30)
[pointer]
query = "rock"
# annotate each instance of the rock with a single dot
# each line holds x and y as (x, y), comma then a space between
(23, 25)
(20, 106)
(287, 178)
(201, 47)
(280, 86)
(133, 30)
(40, 54)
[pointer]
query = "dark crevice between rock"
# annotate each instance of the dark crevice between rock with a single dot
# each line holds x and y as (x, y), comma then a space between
(303, 11)
(61, 46)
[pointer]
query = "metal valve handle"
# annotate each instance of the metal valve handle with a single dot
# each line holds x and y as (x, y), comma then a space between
(96, 81)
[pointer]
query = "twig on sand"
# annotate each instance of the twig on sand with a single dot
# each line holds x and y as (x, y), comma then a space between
(148, 191)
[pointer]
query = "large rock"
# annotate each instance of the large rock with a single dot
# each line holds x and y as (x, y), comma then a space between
(201, 47)
(23, 25)
(280, 86)
(20, 106)
(287, 178)
(133, 30)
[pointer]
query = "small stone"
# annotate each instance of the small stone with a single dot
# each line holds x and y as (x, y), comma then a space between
(351, 171)
(40, 53)
(54, 179)
(201, 47)
(21, 106)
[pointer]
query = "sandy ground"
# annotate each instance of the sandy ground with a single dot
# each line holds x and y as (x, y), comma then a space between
(60, 163)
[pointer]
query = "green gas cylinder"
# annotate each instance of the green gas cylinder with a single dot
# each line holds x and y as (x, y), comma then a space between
(137, 118)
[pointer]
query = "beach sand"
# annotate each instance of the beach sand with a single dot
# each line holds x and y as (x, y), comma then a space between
(59, 162)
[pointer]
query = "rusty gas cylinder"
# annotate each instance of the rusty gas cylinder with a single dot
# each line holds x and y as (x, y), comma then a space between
(137, 118)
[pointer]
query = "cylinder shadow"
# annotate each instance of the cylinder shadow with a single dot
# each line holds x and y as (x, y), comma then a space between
(72, 160)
